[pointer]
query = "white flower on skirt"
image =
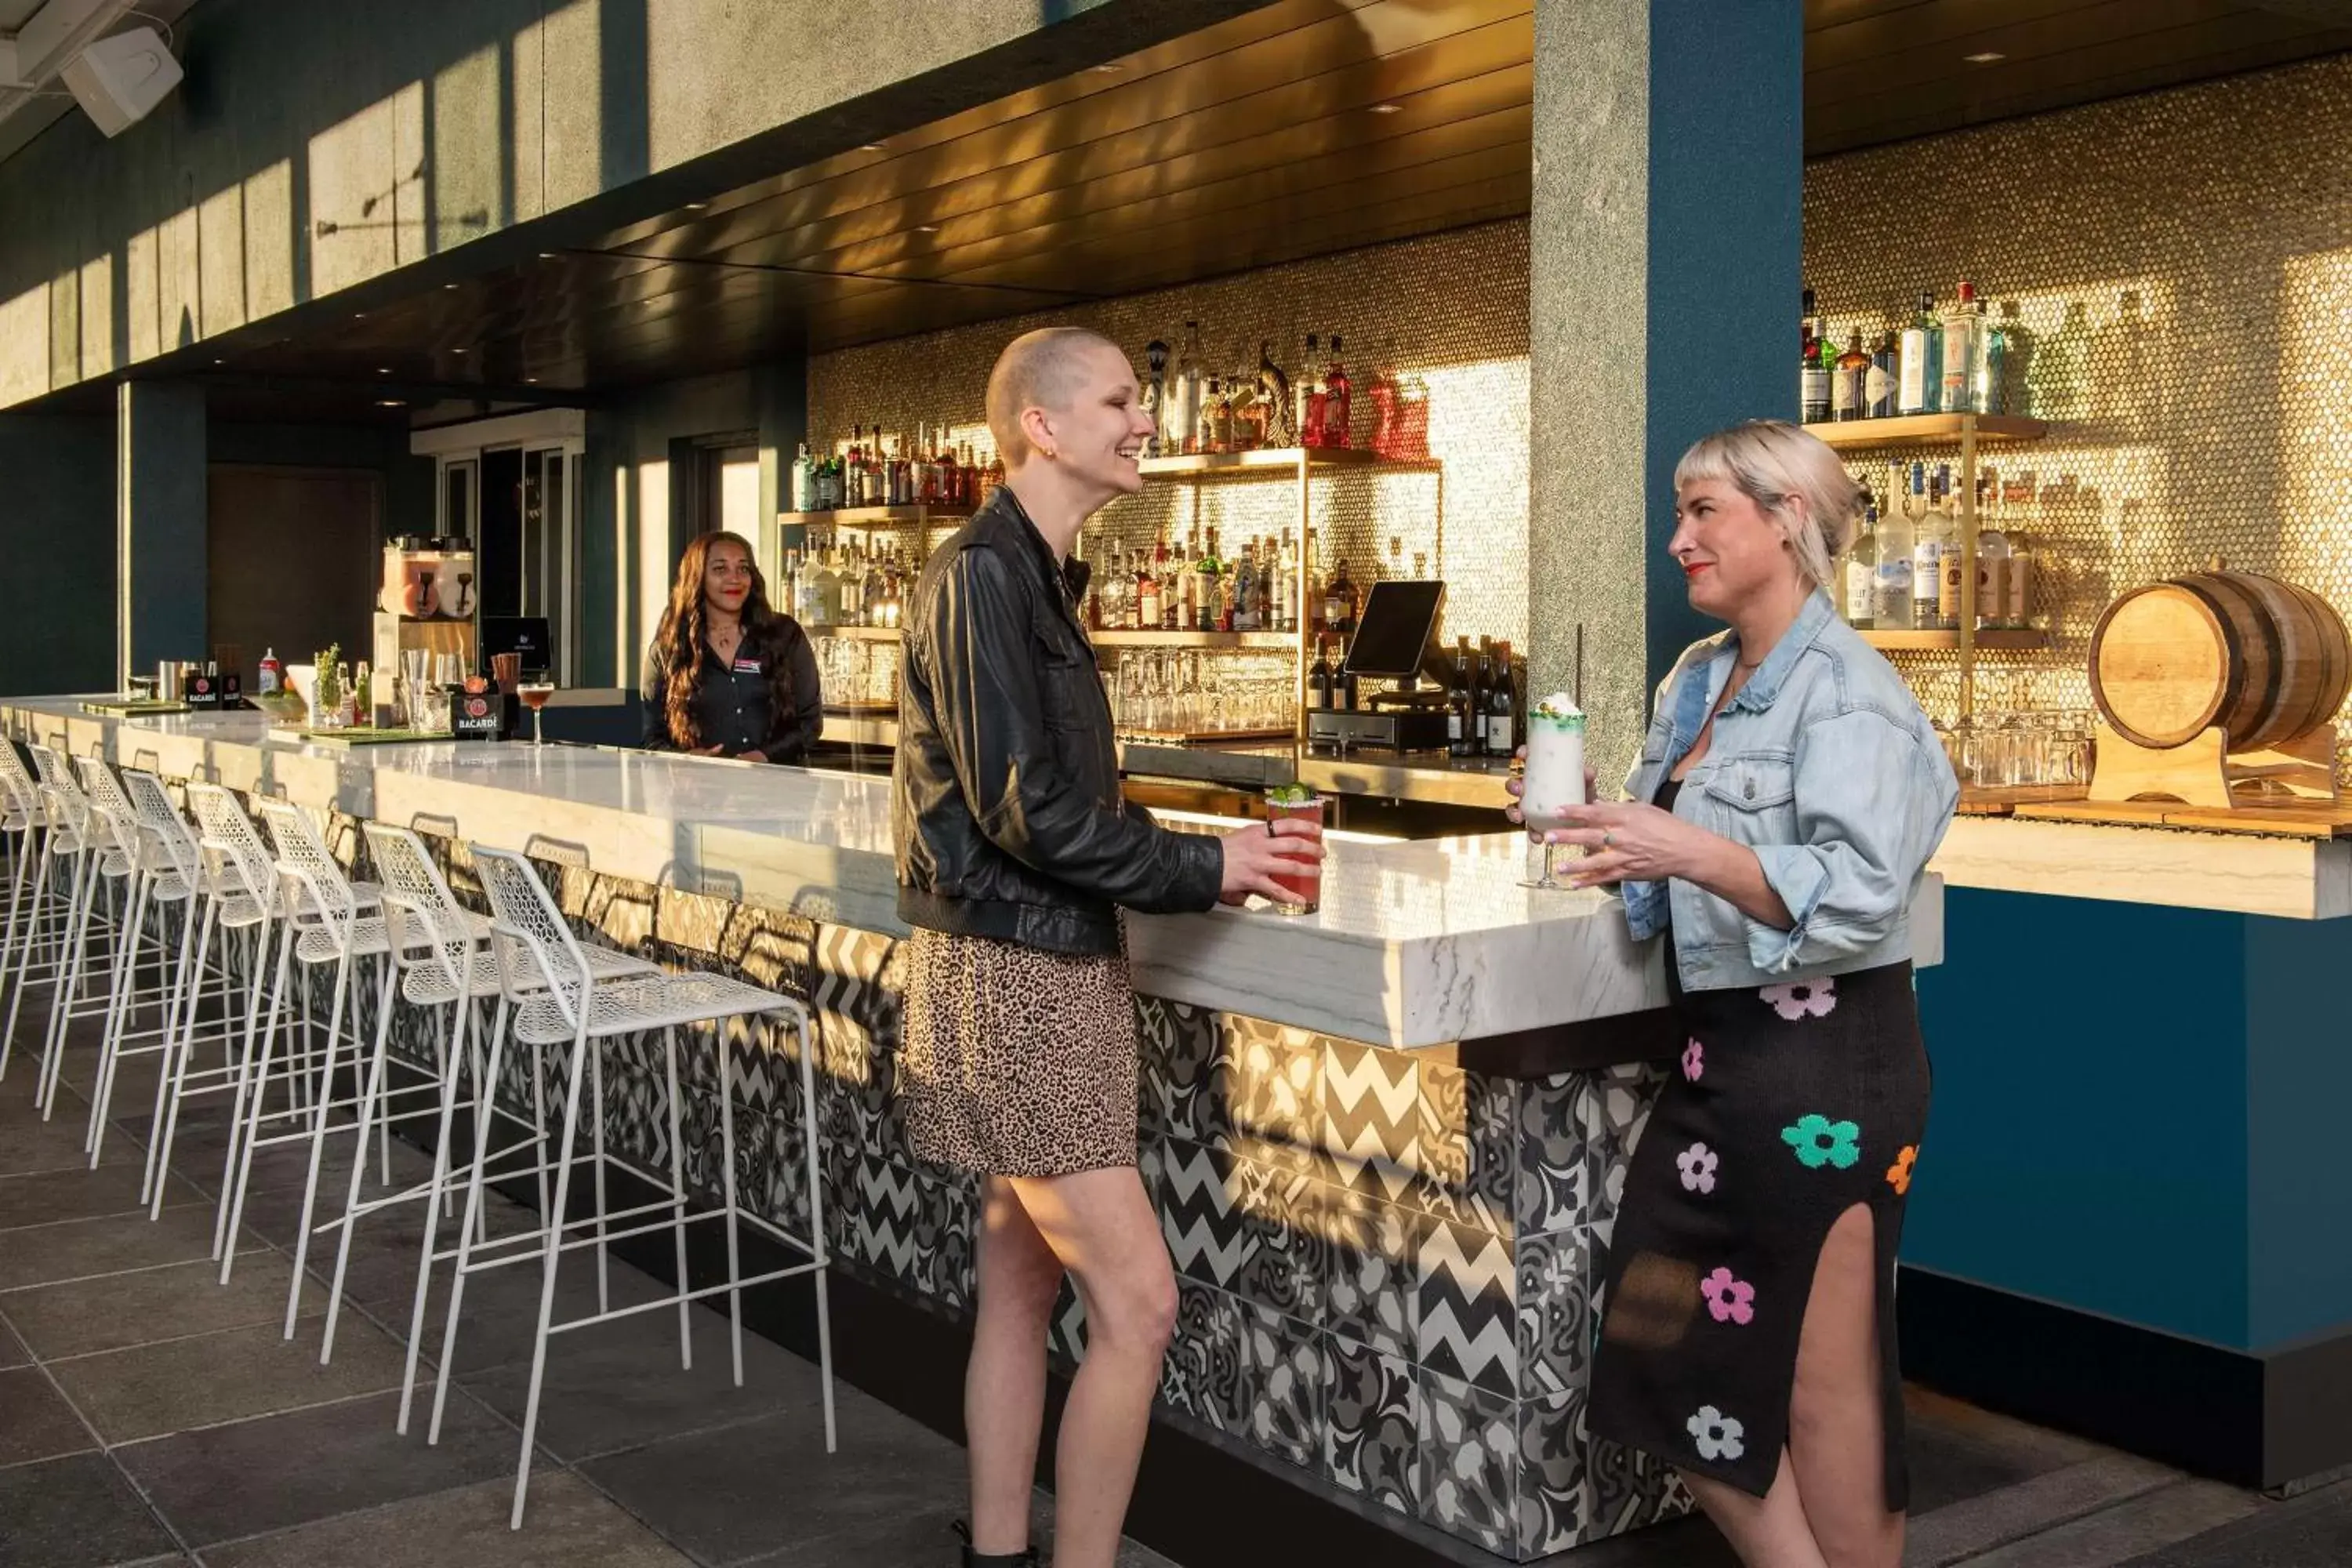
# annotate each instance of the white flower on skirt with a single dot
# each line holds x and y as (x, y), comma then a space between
(1698, 1162)
(1716, 1434)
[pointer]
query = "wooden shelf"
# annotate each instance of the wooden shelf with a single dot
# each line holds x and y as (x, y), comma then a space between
(1265, 460)
(1275, 641)
(855, 634)
(1926, 430)
(871, 517)
(1932, 641)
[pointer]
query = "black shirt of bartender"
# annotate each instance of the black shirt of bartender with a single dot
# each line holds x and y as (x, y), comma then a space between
(731, 709)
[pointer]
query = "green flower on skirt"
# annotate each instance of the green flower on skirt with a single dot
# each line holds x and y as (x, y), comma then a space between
(1820, 1141)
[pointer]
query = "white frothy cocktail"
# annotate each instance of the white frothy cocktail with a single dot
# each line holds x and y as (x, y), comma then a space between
(1553, 779)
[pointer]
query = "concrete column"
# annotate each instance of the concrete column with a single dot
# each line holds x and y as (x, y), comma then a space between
(1663, 266)
(161, 569)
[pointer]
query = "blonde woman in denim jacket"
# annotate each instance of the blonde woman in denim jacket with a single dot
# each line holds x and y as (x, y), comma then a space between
(1774, 831)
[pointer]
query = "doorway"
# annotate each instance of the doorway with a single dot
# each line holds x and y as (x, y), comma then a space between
(291, 559)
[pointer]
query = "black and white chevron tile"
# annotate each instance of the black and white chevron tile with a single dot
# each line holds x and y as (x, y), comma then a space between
(1209, 1236)
(1468, 1326)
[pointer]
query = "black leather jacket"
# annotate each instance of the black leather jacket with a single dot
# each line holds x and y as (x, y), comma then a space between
(1005, 802)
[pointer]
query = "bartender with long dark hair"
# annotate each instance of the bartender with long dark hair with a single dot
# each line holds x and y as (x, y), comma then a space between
(728, 675)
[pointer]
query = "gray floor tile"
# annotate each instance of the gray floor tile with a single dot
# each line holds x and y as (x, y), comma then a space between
(76, 1512)
(276, 1472)
(13, 1352)
(54, 1196)
(36, 1423)
(752, 1490)
(2158, 1519)
(228, 1376)
(501, 1318)
(1962, 1531)
(85, 1248)
(619, 1385)
(568, 1526)
(2314, 1530)
(151, 1304)
(36, 1146)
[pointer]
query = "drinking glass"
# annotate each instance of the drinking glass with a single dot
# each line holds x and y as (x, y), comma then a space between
(534, 694)
(1304, 884)
(1554, 780)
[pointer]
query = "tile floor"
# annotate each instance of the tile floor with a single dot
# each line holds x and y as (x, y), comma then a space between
(148, 1415)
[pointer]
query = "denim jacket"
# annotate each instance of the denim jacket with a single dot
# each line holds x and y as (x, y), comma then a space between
(1824, 766)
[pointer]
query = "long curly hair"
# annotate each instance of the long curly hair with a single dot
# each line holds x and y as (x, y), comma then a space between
(681, 639)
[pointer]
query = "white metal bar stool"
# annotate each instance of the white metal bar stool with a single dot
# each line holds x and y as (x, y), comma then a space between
(24, 822)
(163, 878)
(326, 922)
(100, 871)
(443, 960)
(551, 997)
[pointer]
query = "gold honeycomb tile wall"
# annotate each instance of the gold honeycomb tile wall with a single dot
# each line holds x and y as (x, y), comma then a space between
(2177, 271)
(1450, 309)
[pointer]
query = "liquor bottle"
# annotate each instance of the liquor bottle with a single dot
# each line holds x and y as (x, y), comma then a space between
(1171, 596)
(852, 471)
(1953, 594)
(1501, 720)
(1242, 614)
(803, 480)
(1849, 384)
(1919, 375)
(1879, 385)
(1318, 679)
(1147, 590)
(1961, 325)
(272, 674)
(1814, 374)
(1861, 567)
(1932, 535)
(1892, 605)
(1286, 588)
(1155, 396)
(1340, 601)
(2019, 610)
(1518, 670)
(1345, 692)
(1211, 591)
(1338, 400)
(994, 480)
(1993, 557)
(1184, 399)
(1990, 376)
(1807, 358)
(1221, 416)
(1458, 700)
(1311, 396)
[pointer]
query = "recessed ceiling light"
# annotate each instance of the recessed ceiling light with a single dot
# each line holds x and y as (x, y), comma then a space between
(220, 362)
(359, 315)
(696, 207)
(1985, 58)
(1388, 108)
(546, 256)
(870, 147)
(457, 351)
(389, 403)
(449, 286)
(926, 228)
(1113, 68)
(531, 378)
(384, 369)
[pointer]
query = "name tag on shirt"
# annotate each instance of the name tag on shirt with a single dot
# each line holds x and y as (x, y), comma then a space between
(747, 667)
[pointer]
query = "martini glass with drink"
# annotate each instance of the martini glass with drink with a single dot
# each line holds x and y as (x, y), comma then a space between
(534, 693)
(1554, 779)
(1302, 881)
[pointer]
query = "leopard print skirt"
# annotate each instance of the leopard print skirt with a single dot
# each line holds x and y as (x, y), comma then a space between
(1015, 1061)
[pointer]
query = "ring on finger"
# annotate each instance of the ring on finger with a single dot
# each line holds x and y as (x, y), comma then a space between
(1609, 839)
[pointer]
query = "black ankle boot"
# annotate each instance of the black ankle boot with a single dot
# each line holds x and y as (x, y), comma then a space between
(1025, 1558)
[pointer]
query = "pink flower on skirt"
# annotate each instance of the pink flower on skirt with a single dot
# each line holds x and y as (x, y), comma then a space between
(1697, 1162)
(1801, 998)
(1694, 1061)
(1729, 1301)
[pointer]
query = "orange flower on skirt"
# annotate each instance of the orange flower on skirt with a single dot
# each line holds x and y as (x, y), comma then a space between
(1898, 1174)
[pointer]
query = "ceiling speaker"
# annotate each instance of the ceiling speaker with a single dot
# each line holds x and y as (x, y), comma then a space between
(118, 80)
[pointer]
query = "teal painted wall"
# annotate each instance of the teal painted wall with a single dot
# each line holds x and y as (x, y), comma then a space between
(2299, 1098)
(57, 534)
(2089, 1138)
(407, 478)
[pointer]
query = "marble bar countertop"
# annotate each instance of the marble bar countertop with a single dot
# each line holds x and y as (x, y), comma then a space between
(1421, 943)
(2293, 877)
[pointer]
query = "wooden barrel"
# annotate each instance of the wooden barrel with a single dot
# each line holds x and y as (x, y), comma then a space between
(2264, 660)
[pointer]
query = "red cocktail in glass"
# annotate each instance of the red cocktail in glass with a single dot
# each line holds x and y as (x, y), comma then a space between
(1303, 885)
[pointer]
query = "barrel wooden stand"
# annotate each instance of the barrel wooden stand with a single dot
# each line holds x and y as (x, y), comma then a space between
(2204, 771)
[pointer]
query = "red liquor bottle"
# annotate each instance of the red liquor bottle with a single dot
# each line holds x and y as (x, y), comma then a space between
(1339, 397)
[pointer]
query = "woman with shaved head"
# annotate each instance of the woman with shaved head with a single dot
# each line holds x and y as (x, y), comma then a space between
(1016, 854)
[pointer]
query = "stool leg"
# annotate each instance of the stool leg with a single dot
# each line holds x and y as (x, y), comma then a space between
(469, 1227)
(37, 921)
(258, 956)
(179, 1045)
(580, 1048)
(260, 1107)
(121, 1011)
(17, 874)
(726, 1188)
(319, 1118)
(371, 1099)
(815, 1215)
(453, 1058)
(678, 1197)
(604, 1253)
(62, 994)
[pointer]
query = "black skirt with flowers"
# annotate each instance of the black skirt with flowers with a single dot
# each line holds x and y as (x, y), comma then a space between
(1791, 1104)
